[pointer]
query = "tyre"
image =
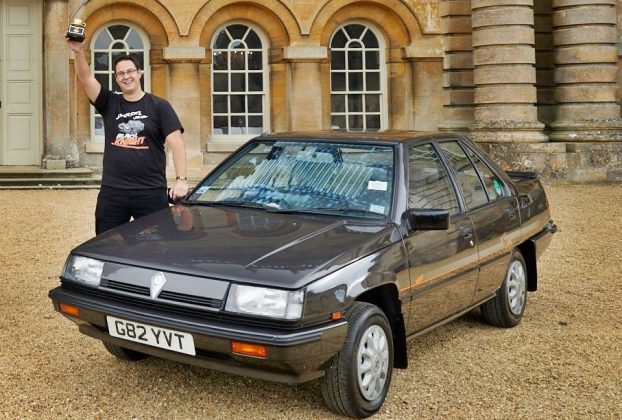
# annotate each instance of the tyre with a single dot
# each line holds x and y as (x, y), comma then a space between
(358, 379)
(123, 353)
(507, 307)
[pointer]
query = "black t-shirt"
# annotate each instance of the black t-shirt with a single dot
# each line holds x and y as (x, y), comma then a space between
(134, 156)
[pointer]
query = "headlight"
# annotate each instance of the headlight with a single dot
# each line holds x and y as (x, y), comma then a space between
(84, 270)
(265, 302)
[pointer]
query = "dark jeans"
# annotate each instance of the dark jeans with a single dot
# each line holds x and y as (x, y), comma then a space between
(117, 206)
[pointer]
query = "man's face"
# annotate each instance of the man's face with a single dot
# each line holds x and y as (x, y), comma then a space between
(128, 76)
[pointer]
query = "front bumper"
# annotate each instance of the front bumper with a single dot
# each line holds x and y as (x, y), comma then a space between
(293, 356)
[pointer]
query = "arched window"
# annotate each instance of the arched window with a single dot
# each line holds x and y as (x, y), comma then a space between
(239, 82)
(357, 79)
(110, 42)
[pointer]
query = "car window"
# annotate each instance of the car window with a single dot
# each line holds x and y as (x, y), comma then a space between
(429, 186)
(329, 178)
(494, 187)
(472, 187)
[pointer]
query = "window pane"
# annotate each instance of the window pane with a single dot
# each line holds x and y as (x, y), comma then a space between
(255, 82)
(237, 31)
(493, 185)
(356, 122)
(372, 103)
(103, 41)
(238, 124)
(103, 79)
(255, 60)
(238, 82)
(355, 60)
(237, 60)
(221, 82)
(372, 122)
(338, 122)
(101, 61)
(115, 86)
(115, 55)
(371, 60)
(255, 125)
(134, 40)
(254, 104)
(221, 125)
(220, 104)
(118, 46)
(355, 30)
(338, 60)
(338, 82)
(355, 103)
(118, 31)
(429, 186)
(252, 40)
(369, 39)
(238, 103)
(338, 103)
(339, 40)
(222, 40)
(472, 188)
(99, 125)
(372, 80)
(355, 81)
(219, 60)
(140, 57)
(355, 45)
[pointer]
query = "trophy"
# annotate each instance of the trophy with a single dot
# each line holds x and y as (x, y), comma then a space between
(76, 30)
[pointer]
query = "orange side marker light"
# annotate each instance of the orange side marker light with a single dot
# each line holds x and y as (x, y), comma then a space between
(247, 349)
(335, 315)
(69, 309)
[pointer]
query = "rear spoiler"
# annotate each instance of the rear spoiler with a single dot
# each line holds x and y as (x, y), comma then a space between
(522, 175)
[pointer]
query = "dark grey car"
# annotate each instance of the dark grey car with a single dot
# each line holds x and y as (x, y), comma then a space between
(316, 255)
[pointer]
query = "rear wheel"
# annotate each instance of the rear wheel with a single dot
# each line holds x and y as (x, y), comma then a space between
(123, 353)
(358, 379)
(507, 307)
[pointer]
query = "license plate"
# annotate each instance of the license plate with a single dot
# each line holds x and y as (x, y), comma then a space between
(150, 335)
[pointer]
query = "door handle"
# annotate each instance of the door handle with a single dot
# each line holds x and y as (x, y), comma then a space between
(466, 232)
(511, 213)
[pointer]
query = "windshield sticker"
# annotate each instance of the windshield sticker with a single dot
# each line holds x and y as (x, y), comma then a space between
(377, 185)
(376, 208)
(202, 190)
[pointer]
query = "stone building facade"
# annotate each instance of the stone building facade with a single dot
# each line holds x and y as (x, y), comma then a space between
(536, 82)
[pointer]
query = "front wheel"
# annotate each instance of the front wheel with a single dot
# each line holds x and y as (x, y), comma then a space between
(507, 307)
(358, 379)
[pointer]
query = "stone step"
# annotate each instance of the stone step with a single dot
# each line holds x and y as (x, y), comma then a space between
(33, 172)
(50, 182)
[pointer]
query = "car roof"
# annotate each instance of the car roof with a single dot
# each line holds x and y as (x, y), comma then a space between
(389, 136)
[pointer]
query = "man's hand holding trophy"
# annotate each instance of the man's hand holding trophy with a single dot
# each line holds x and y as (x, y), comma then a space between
(75, 32)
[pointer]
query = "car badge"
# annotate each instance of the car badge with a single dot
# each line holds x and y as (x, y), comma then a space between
(157, 283)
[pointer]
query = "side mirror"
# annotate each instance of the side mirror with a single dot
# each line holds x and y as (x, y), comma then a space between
(427, 219)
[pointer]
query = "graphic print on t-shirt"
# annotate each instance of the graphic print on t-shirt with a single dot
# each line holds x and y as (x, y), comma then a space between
(129, 130)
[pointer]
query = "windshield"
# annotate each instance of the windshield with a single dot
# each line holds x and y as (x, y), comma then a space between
(296, 176)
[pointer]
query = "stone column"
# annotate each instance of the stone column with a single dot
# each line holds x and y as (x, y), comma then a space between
(585, 40)
(505, 74)
(184, 95)
(457, 65)
(58, 145)
(305, 95)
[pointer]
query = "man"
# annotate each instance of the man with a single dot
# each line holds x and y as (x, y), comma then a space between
(136, 125)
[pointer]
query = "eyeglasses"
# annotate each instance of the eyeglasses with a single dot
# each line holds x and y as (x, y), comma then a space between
(129, 72)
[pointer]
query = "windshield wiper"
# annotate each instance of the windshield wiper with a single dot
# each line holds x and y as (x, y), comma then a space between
(234, 203)
(326, 209)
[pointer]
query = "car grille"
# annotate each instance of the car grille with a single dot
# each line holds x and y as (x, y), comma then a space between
(125, 287)
(167, 295)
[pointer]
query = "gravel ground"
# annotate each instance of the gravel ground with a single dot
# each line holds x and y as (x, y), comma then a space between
(562, 361)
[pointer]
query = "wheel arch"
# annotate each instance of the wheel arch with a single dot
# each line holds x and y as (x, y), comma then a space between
(528, 249)
(387, 299)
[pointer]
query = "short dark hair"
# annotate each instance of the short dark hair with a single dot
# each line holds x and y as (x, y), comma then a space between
(126, 57)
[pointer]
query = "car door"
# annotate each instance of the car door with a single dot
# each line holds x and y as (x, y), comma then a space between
(442, 264)
(493, 210)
